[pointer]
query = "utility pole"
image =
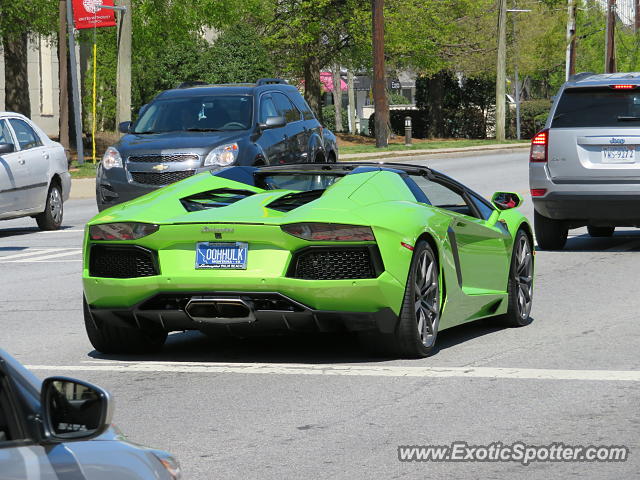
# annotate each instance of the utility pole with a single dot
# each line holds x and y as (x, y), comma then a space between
(75, 90)
(352, 102)
(636, 16)
(570, 61)
(123, 86)
(379, 90)
(501, 70)
(610, 44)
(63, 104)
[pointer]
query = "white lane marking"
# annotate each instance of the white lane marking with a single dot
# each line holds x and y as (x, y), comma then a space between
(39, 254)
(349, 370)
(69, 230)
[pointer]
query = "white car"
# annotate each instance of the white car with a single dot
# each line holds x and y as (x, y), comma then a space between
(34, 174)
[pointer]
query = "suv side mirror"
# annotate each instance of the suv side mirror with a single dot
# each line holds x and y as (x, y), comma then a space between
(74, 410)
(506, 200)
(273, 122)
(7, 148)
(124, 127)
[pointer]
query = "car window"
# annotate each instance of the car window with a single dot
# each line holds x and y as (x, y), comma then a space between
(5, 134)
(9, 430)
(285, 107)
(197, 113)
(303, 106)
(481, 206)
(27, 138)
(267, 108)
(597, 107)
(443, 196)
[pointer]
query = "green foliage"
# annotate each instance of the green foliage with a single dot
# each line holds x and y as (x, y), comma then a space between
(533, 115)
(33, 16)
(398, 99)
(329, 118)
(419, 126)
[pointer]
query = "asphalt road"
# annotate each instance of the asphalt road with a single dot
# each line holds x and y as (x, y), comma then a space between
(319, 407)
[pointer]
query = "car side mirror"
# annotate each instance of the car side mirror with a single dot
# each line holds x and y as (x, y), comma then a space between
(124, 127)
(273, 122)
(506, 200)
(74, 410)
(7, 148)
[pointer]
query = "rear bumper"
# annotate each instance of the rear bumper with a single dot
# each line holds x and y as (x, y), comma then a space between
(596, 208)
(270, 312)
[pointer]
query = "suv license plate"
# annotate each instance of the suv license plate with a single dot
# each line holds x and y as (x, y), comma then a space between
(619, 154)
(221, 255)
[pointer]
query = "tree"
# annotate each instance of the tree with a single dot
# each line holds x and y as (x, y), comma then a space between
(18, 20)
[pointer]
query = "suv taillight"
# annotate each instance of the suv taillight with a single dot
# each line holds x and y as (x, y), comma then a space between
(539, 147)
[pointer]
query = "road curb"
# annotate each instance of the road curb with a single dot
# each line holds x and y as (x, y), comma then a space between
(83, 188)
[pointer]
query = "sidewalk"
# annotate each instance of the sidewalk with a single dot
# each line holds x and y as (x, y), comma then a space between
(86, 187)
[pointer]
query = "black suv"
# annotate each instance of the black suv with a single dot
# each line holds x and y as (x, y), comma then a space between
(198, 127)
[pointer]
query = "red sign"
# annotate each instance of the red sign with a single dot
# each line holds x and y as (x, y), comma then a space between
(88, 14)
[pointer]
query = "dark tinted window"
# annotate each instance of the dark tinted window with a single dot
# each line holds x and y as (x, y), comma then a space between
(27, 138)
(205, 113)
(285, 107)
(597, 107)
(297, 181)
(303, 106)
(484, 209)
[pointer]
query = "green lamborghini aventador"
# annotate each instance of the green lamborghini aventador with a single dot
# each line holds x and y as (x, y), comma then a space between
(393, 252)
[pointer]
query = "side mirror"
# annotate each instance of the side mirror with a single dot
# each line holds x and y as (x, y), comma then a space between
(273, 122)
(506, 200)
(7, 148)
(74, 410)
(124, 127)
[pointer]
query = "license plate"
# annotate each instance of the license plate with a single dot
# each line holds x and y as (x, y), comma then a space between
(221, 255)
(618, 154)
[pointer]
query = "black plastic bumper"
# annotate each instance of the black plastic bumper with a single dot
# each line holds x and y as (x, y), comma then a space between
(270, 313)
(603, 208)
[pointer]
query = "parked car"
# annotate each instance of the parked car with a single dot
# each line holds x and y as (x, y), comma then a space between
(34, 173)
(60, 428)
(394, 252)
(199, 127)
(585, 164)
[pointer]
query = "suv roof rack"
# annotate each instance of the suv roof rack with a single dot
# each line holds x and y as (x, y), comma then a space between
(270, 81)
(194, 83)
(579, 76)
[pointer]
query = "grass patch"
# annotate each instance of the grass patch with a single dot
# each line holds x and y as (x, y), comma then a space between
(86, 170)
(425, 145)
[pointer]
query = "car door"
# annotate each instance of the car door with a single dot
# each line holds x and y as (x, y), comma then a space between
(14, 174)
(20, 457)
(273, 141)
(36, 158)
(482, 243)
(295, 130)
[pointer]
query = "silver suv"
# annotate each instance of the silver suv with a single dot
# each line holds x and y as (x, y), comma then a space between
(584, 165)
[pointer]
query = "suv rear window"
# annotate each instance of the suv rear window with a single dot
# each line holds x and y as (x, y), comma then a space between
(597, 107)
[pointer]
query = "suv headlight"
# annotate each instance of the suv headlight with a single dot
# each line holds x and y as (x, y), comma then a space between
(222, 156)
(111, 158)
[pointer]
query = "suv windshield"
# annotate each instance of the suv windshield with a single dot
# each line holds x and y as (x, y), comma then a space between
(597, 107)
(197, 114)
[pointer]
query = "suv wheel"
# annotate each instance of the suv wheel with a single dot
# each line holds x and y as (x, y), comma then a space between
(600, 231)
(550, 234)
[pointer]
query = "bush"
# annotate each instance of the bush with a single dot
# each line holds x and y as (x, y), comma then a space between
(329, 118)
(533, 115)
(398, 99)
(396, 118)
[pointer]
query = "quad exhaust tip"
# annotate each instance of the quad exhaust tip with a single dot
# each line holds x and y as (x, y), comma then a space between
(220, 310)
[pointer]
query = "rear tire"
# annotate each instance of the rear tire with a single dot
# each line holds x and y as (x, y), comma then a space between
(107, 338)
(51, 218)
(600, 231)
(551, 234)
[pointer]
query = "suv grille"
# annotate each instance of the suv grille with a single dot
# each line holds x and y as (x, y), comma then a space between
(163, 158)
(333, 263)
(162, 178)
(126, 261)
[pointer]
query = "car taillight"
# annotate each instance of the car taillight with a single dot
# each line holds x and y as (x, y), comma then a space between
(121, 231)
(539, 147)
(538, 192)
(623, 87)
(329, 232)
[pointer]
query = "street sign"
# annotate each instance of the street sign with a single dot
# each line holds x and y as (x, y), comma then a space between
(92, 13)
